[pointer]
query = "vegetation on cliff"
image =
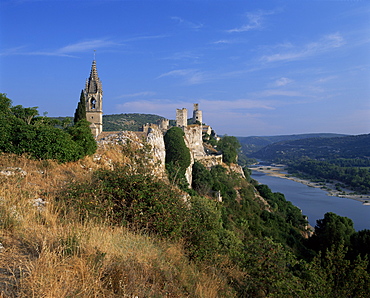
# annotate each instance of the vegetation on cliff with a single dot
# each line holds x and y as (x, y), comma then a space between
(177, 156)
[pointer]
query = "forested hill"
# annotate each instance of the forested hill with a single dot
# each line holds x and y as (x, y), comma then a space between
(255, 143)
(317, 148)
(131, 122)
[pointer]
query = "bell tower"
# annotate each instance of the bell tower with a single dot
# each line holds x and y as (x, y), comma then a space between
(94, 101)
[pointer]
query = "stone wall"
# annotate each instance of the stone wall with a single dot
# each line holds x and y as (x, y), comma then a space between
(181, 117)
(210, 161)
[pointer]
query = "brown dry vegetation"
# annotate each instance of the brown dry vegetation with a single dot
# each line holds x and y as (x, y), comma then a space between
(49, 254)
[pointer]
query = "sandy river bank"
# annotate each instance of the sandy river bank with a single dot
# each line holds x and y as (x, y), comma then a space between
(279, 171)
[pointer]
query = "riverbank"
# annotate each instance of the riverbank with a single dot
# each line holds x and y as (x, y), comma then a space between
(279, 171)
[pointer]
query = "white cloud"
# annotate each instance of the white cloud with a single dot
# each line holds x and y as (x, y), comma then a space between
(291, 53)
(12, 51)
(145, 37)
(273, 92)
(255, 21)
(190, 76)
(282, 82)
(187, 24)
(234, 105)
(163, 107)
(138, 94)
(237, 106)
(66, 51)
(189, 55)
(87, 45)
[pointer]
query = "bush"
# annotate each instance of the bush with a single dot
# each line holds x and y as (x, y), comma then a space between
(136, 200)
(230, 147)
(202, 179)
(177, 156)
(21, 132)
(83, 137)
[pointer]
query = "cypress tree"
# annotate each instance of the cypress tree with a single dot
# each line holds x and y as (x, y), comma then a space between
(81, 109)
(177, 156)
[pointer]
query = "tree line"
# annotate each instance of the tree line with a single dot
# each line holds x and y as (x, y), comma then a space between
(23, 131)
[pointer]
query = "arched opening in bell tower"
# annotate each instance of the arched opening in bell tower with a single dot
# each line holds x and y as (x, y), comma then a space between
(93, 103)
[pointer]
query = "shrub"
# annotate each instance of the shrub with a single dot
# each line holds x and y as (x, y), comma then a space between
(136, 200)
(21, 133)
(202, 179)
(177, 156)
(230, 147)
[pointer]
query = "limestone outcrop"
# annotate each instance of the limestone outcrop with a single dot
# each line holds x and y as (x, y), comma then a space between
(194, 141)
(152, 136)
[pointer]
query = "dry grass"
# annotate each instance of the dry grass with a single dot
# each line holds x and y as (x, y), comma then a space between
(47, 254)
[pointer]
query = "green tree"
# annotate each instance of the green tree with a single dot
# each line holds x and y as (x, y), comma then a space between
(203, 228)
(80, 113)
(6, 119)
(331, 230)
(330, 274)
(45, 142)
(81, 134)
(202, 179)
(268, 267)
(360, 244)
(229, 146)
(41, 140)
(26, 114)
(177, 155)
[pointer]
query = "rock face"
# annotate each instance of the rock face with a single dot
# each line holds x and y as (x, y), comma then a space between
(210, 161)
(152, 135)
(194, 141)
(158, 150)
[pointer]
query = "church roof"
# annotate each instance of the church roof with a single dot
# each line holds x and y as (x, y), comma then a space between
(93, 83)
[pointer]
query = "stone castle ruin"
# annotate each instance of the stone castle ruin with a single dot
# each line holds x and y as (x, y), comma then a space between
(152, 133)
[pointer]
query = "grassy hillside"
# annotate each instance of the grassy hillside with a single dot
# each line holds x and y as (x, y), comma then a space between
(104, 226)
(48, 251)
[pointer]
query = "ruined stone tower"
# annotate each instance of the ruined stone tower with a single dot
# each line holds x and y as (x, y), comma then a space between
(94, 101)
(197, 114)
(181, 117)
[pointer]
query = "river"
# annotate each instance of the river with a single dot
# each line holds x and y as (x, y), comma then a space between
(314, 202)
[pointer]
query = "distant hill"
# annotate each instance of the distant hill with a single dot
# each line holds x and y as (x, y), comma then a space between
(255, 143)
(317, 148)
(131, 122)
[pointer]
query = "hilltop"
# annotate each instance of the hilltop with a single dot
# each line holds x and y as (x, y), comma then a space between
(317, 148)
(253, 144)
(130, 122)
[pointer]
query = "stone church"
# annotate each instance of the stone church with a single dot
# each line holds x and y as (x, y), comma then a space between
(94, 101)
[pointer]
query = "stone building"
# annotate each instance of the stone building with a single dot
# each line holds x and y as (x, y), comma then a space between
(181, 117)
(197, 114)
(94, 101)
(163, 124)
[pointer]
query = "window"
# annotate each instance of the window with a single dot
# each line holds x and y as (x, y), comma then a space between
(93, 103)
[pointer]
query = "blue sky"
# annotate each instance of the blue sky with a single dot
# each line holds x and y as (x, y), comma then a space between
(254, 67)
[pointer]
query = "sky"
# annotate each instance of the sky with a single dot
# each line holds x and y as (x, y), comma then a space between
(254, 67)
